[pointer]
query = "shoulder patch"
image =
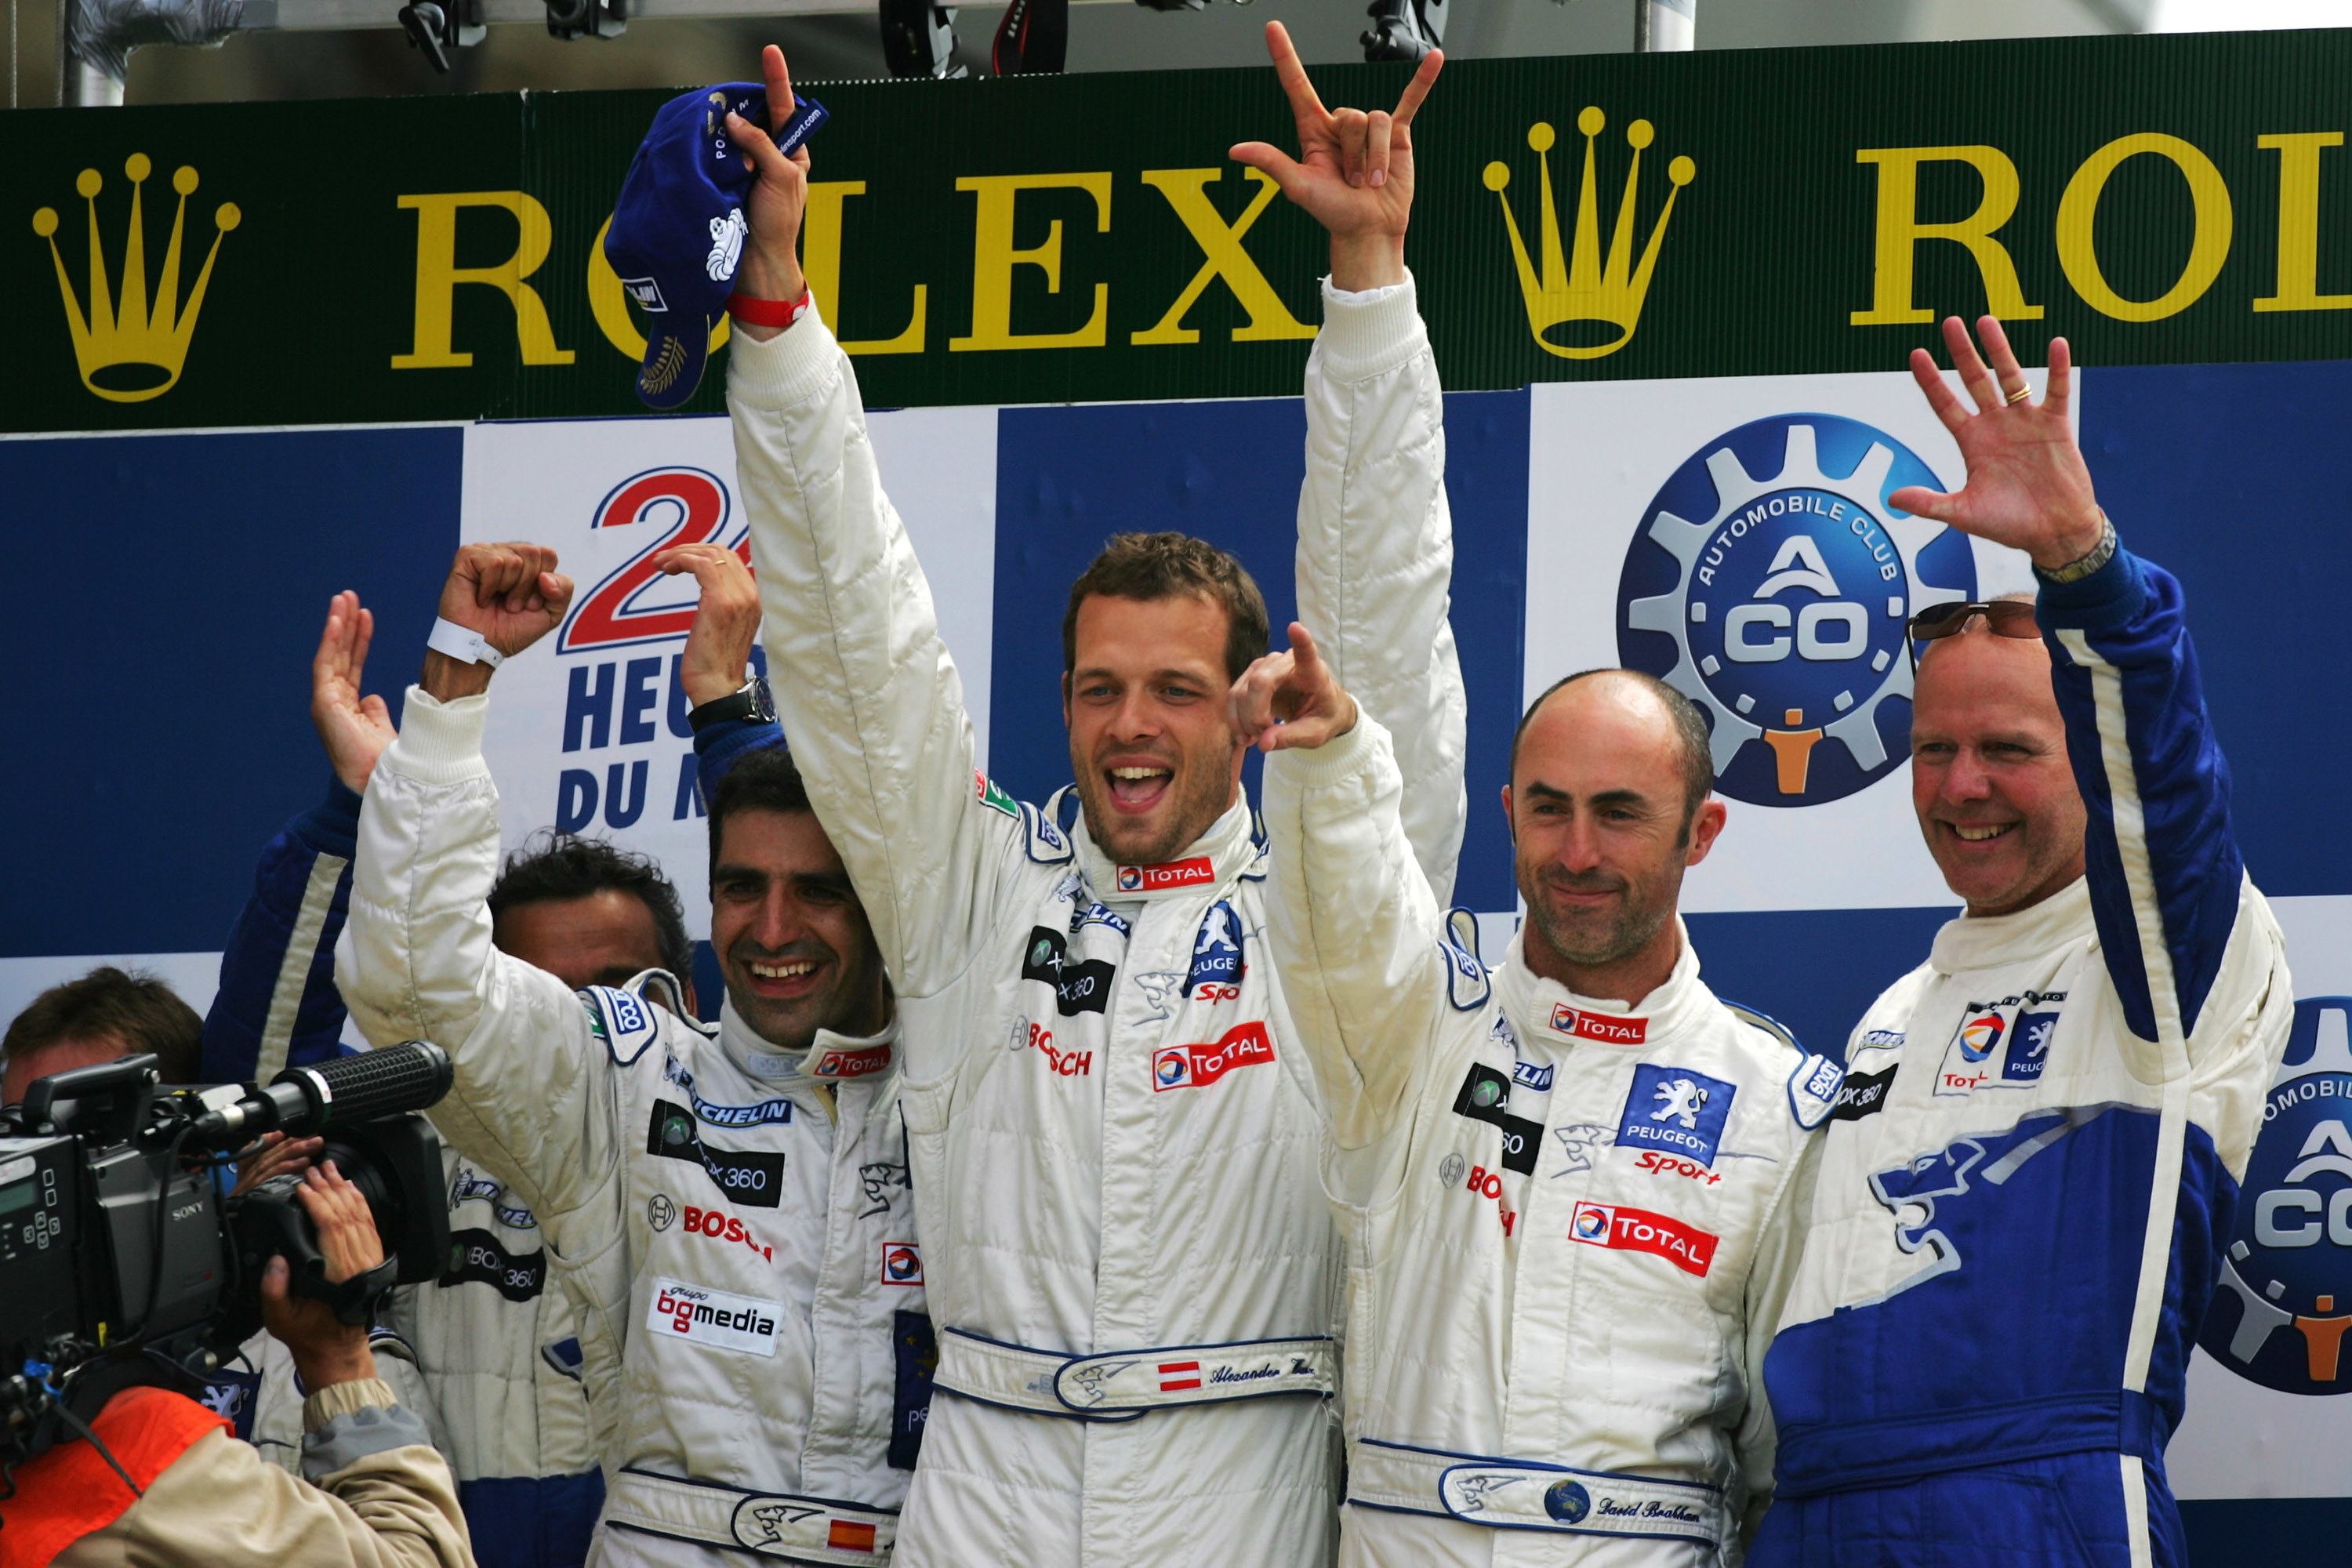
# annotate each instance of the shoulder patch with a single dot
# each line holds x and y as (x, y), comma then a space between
(993, 795)
(625, 1023)
(1467, 985)
(1813, 1090)
(1047, 842)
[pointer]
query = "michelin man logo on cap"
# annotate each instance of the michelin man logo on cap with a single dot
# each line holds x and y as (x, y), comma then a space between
(1782, 612)
(678, 232)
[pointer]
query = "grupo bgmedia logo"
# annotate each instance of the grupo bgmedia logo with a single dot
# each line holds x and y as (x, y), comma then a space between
(2285, 1301)
(1769, 582)
(1592, 305)
(130, 344)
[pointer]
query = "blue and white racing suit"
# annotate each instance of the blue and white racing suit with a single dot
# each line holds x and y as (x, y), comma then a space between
(2034, 1161)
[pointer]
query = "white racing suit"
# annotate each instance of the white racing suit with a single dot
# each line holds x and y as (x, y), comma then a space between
(1116, 1139)
(731, 1223)
(2034, 1167)
(1571, 1222)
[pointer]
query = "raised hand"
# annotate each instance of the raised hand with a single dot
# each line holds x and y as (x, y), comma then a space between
(771, 265)
(354, 729)
(726, 620)
(1354, 170)
(2028, 486)
(511, 594)
(1288, 701)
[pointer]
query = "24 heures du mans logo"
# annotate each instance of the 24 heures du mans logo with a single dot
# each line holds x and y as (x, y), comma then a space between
(130, 344)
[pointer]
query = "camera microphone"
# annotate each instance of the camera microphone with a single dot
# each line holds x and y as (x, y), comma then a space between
(301, 1101)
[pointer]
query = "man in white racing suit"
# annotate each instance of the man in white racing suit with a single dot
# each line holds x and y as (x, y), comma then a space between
(1574, 1187)
(1115, 1138)
(728, 1208)
(2029, 1181)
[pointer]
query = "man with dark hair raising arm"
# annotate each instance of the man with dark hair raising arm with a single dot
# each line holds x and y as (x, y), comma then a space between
(727, 1208)
(1115, 1138)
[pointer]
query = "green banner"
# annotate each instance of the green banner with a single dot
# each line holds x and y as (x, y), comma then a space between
(2161, 199)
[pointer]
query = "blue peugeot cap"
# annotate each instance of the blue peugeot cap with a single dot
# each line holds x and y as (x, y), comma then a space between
(678, 232)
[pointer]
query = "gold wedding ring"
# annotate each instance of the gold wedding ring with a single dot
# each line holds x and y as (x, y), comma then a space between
(2020, 395)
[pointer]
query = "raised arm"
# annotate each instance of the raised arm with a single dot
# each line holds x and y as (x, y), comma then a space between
(1355, 931)
(278, 1006)
(2169, 889)
(869, 697)
(1375, 539)
(416, 960)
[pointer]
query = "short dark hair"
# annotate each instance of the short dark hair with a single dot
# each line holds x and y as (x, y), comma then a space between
(1690, 729)
(762, 780)
(556, 868)
(1170, 565)
(142, 1011)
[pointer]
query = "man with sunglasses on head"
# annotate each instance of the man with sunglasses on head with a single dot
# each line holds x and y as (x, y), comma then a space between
(2034, 1159)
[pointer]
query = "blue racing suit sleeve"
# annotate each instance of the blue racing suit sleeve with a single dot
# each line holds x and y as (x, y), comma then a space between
(278, 1006)
(2164, 868)
(719, 747)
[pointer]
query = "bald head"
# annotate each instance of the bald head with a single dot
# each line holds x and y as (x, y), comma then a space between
(1608, 801)
(1627, 695)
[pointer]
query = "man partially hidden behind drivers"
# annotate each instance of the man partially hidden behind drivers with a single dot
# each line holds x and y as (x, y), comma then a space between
(2035, 1162)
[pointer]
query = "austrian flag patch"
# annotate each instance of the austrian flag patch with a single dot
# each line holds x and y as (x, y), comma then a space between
(1176, 1376)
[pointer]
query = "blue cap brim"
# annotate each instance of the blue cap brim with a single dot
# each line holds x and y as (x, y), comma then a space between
(674, 362)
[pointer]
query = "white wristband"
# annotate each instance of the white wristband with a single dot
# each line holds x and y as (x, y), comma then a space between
(463, 644)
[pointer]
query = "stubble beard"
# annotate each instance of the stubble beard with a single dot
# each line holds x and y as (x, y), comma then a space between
(1596, 939)
(1200, 794)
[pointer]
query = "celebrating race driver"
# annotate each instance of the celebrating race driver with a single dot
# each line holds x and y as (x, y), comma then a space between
(1115, 1138)
(728, 1208)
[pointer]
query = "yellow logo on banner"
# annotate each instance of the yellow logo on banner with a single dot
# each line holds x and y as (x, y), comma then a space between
(1580, 288)
(131, 351)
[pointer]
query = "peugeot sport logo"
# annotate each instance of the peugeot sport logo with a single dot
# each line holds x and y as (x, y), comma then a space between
(1769, 582)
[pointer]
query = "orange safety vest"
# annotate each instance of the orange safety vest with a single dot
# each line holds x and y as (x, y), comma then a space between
(71, 1491)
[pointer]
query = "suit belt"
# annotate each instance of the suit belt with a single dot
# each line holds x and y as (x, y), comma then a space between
(1124, 1385)
(1511, 1494)
(769, 1524)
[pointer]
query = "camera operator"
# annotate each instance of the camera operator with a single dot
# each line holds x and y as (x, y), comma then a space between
(377, 1492)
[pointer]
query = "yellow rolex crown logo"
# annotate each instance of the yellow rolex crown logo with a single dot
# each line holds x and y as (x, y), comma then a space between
(132, 351)
(1581, 289)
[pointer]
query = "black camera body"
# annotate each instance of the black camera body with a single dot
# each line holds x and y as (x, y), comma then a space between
(119, 1257)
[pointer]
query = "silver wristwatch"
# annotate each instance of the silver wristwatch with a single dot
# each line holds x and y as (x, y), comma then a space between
(2101, 553)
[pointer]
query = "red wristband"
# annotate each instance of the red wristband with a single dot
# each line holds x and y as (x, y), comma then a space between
(769, 312)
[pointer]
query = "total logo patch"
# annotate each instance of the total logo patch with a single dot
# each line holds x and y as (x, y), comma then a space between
(2001, 1044)
(1675, 1111)
(864, 1062)
(1639, 1230)
(1606, 1027)
(1196, 872)
(902, 1263)
(1198, 1066)
(718, 1320)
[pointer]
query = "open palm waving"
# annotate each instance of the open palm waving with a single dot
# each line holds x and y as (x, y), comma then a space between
(2027, 485)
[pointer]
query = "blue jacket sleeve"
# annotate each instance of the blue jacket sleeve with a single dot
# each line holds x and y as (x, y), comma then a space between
(277, 1005)
(719, 747)
(2163, 867)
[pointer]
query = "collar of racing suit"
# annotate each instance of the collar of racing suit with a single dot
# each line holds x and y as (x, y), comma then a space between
(1547, 1011)
(1229, 848)
(830, 1058)
(1988, 942)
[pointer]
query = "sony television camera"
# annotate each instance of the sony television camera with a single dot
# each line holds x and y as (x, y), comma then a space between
(120, 1259)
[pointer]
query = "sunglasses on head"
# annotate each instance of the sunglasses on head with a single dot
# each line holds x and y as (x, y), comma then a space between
(2004, 618)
